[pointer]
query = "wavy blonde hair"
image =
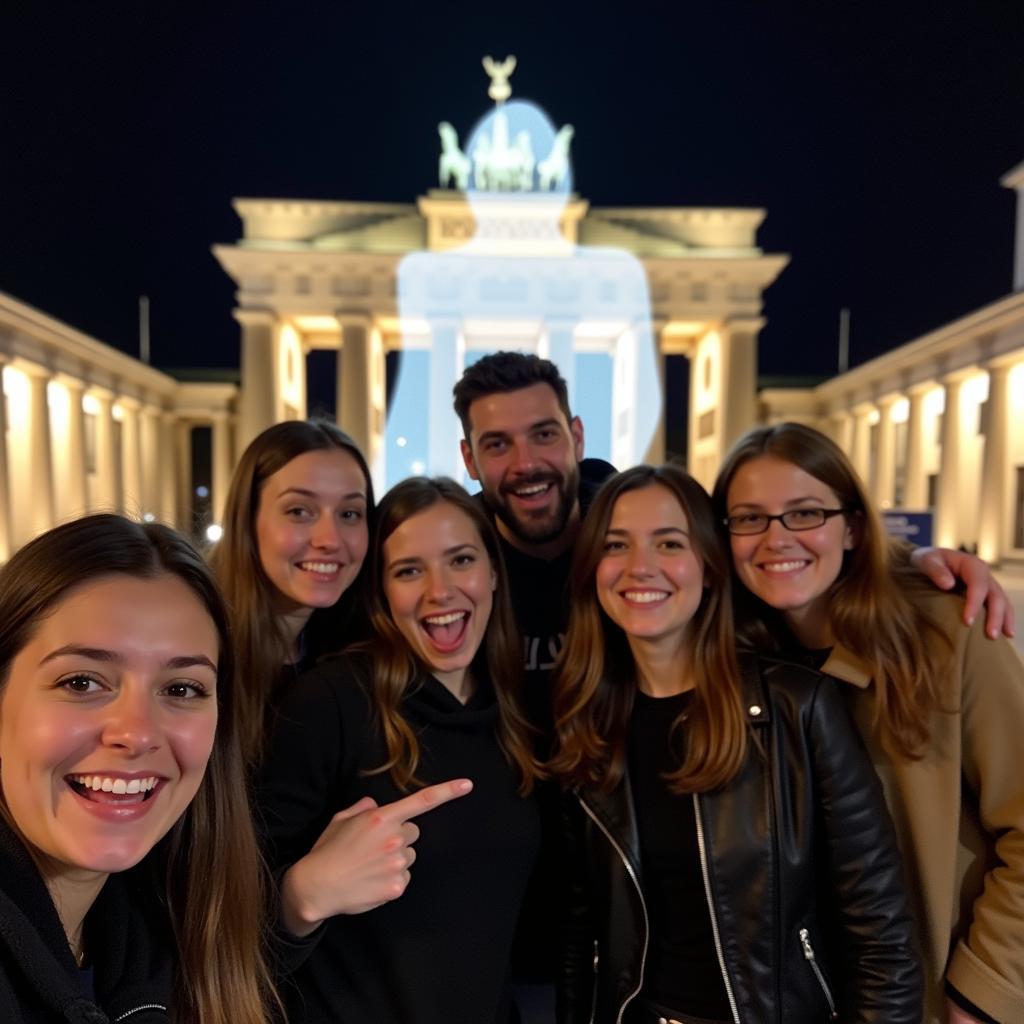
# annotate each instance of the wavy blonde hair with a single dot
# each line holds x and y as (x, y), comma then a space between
(595, 679)
(874, 604)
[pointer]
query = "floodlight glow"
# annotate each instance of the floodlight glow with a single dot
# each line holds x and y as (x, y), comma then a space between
(214, 532)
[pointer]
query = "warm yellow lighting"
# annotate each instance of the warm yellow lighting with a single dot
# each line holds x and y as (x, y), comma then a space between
(214, 532)
(901, 410)
(91, 404)
(934, 402)
(18, 391)
(1016, 381)
(974, 390)
(59, 401)
(874, 416)
(117, 412)
(317, 324)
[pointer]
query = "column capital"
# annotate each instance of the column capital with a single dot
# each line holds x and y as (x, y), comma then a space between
(921, 387)
(1001, 365)
(255, 316)
(743, 324)
(354, 318)
(957, 377)
(888, 400)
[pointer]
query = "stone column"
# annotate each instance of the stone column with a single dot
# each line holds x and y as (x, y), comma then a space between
(860, 448)
(183, 476)
(258, 397)
(131, 459)
(168, 470)
(5, 482)
(221, 465)
(446, 360)
(737, 405)
(885, 468)
(75, 489)
(561, 351)
(916, 496)
(354, 386)
(152, 459)
(992, 504)
(655, 454)
(947, 526)
(40, 458)
(841, 424)
(106, 494)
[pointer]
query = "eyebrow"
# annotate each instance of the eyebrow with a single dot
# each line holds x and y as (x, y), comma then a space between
(313, 494)
(112, 657)
(446, 553)
(539, 425)
(786, 504)
(660, 532)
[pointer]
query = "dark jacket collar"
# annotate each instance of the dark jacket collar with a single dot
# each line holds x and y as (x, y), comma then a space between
(130, 949)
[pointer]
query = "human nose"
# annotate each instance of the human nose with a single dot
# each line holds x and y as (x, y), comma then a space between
(438, 584)
(326, 533)
(131, 725)
(638, 562)
(777, 536)
(523, 460)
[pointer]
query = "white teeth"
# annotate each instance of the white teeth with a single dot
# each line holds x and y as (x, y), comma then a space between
(325, 567)
(444, 620)
(644, 596)
(783, 566)
(529, 492)
(108, 784)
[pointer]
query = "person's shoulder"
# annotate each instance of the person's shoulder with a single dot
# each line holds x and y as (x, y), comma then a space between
(792, 681)
(593, 473)
(337, 680)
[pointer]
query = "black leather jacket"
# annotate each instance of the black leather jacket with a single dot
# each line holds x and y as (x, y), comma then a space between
(801, 871)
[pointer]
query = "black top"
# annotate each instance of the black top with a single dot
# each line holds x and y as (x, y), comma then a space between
(682, 966)
(126, 935)
(440, 953)
(540, 600)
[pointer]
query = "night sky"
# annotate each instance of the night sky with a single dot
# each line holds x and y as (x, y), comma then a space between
(874, 135)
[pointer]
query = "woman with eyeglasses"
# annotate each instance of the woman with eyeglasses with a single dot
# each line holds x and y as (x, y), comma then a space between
(729, 857)
(940, 707)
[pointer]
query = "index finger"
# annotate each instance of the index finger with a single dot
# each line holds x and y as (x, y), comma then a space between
(425, 799)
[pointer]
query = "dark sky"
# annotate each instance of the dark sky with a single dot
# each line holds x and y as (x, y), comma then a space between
(873, 134)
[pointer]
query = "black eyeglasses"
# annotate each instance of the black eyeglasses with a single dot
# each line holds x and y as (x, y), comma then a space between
(796, 519)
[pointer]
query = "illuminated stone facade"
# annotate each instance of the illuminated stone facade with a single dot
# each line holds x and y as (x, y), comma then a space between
(937, 423)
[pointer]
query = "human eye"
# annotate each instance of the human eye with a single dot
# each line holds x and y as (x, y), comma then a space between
(546, 435)
(405, 572)
(747, 522)
(804, 517)
(186, 689)
(495, 445)
(672, 544)
(612, 545)
(81, 684)
(464, 558)
(351, 515)
(298, 512)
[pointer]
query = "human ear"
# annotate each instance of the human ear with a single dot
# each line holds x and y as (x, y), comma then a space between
(576, 429)
(468, 460)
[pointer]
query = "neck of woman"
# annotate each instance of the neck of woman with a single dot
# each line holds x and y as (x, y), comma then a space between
(662, 669)
(811, 626)
(73, 892)
(291, 624)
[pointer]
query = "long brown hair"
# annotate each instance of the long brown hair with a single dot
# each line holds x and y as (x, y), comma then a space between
(261, 647)
(873, 607)
(396, 668)
(217, 915)
(595, 679)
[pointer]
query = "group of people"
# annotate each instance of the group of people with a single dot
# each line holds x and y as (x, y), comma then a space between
(668, 756)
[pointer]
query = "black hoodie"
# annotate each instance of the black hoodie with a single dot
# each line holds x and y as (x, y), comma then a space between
(131, 972)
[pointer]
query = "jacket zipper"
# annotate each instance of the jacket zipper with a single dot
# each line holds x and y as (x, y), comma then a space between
(593, 994)
(805, 941)
(711, 910)
(643, 907)
(139, 1009)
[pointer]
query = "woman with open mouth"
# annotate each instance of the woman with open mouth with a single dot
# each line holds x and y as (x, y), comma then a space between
(378, 735)
(129, 874)
(730, 855)
(296, 524)
(940, 706)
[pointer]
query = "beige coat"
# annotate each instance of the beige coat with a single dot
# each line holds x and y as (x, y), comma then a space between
(959, 815)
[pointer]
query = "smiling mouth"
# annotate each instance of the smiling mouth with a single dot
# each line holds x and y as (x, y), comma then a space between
(446, 631)
(530, 491)
(111, 789)
(784, 567)
(644, 596)
(321, 568)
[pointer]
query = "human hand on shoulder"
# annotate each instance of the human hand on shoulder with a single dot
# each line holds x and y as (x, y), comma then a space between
(361, 859)
(944, 567)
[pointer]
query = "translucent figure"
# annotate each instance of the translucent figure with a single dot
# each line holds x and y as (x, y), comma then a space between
(510, 279)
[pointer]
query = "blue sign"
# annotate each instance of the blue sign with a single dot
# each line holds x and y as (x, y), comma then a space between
(915, 527)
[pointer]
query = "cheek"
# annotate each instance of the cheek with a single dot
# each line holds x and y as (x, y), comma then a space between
(192, 741)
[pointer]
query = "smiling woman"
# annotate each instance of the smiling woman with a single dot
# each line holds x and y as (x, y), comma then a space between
(432, 696)
(296, 528)
(116, 730)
